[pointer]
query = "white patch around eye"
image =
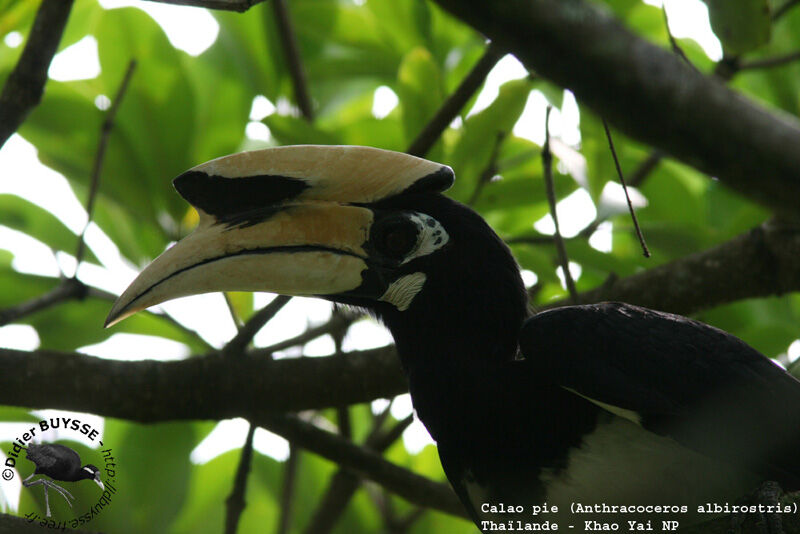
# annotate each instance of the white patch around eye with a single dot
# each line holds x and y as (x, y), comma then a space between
(403, 290)
(431, 238)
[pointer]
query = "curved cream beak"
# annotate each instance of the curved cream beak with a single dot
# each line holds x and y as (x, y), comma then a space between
(312, 248)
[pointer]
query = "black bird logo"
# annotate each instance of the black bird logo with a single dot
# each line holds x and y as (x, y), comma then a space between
(58, 462)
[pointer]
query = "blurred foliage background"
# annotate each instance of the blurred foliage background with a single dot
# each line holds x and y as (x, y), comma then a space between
(180, 110)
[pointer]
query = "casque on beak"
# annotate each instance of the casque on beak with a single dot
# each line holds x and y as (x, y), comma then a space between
(292, 220)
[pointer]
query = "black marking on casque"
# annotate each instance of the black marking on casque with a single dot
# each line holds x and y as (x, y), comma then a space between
(245, 252)
(249, 218)
(436, 182)
(228, 197)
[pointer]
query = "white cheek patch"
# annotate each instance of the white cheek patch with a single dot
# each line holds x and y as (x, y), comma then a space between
(403, 290)
(432, 236)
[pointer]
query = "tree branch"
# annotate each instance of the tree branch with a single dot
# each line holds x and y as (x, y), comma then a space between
(10, 524)
(292, 53)
(367, 464)
(235, 503)
(344, 484)
(784, 9)
(632, 211)
(290, 468)
(649, 93)
(769, 62)
(339, 322)
(68, 289)
(762, 262)
(223, 5)
(248, 331)
(105, 132)
(25, 85)
(203, 387)
(547, 171)
(490, 171)
(452, 106)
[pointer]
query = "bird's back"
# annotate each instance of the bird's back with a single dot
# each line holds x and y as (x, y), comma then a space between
(54, 460)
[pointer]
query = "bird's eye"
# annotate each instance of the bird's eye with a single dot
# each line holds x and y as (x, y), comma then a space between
(397, 237)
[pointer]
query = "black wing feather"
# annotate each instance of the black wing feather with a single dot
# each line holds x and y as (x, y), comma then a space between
(53, 457)
(702, 386)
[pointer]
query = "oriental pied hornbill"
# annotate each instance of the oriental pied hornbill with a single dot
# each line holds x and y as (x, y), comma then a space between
(607, 403)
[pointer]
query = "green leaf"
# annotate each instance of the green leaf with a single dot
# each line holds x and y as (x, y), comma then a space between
(295, 131)
(73, 324)
(741, 25)
(204, 509)
(537, 258)
(242, 304)
(154, 129)
(148, 456)
(138, 239)
(473, 149)
(13, 414)
(420, 90)
(16, 288)
(26, 217)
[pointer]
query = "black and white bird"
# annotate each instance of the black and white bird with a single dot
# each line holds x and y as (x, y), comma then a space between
(603, 403)
(58, 462)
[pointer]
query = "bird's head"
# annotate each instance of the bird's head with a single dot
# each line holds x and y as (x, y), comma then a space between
(91, 472)
(356, 225)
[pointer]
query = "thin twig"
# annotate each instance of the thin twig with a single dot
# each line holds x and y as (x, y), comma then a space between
(25, 85)
(290, 469)
(673, 43)
(344, 483)
(292, 52)
(235, 502)
(223, 5)
(646, 167)
(68, 289)
(380, 441)
(382, 500)
(490, 171)
(248, 331)
(102, 143)
(455, 102)
(781, 11)
(174, 322)
(530, 240)
(336, 323)
(237, 321)
(547, 164)
(405, 523)
(237, 344)
(342, 412)
(72, 288)
(645, 250)
(769, 62)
